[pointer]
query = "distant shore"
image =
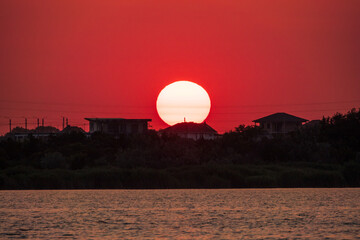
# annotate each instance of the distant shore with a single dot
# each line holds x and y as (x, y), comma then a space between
(204, 176)
(326, 154)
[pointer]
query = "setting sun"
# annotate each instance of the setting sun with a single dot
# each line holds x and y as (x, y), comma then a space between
(183, 101)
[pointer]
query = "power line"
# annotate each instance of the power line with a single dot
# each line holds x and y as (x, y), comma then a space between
(53, 121)
(152, 106)
(73, 104)
(67, 111)
(129, 113)
(292, 104)
(77, 123)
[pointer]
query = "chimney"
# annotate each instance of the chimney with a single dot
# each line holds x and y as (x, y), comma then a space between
(10, 124)
(25, 123)
(42, 122)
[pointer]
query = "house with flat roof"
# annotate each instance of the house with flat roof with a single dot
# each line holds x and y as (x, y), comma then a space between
(279, 123)
(191, 130)
(118, 126)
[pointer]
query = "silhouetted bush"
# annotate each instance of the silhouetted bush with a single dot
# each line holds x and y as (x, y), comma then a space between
(53, 160)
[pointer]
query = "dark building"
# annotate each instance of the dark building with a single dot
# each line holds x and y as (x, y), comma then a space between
(72, 129)
(117, 126)
(280, 123)
(42, 132)
(313, 123)
(192, 130)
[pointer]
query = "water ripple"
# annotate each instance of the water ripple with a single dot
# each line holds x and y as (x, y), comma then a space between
(181, 214)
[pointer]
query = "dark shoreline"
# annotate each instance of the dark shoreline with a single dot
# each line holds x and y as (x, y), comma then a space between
(323, 155)
(207, 176)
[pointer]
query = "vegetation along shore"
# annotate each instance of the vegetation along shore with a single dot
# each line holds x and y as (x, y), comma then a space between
(326, 154)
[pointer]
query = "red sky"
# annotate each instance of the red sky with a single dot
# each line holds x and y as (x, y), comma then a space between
(112, 58)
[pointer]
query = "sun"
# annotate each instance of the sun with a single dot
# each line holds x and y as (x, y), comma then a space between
(183, 101)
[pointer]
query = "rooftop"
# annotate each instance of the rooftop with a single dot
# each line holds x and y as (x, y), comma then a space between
(313, 123)
(281, 117)
(71, 129)
(45, 129)
(190, 127)
(115, 119)
(40, 129)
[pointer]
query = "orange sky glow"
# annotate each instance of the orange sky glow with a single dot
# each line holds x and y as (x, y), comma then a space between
(79, 59)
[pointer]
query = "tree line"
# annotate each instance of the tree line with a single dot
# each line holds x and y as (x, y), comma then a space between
(326, 154)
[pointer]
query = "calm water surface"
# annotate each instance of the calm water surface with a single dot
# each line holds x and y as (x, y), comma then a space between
(184, 214)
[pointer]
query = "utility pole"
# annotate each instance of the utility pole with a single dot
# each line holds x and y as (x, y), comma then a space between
(63, 123)
(67, 122)
(42, 122)
(25, 123)
(10, 124)
(38, 122)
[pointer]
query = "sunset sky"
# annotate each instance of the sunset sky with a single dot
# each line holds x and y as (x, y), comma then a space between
(112, 58)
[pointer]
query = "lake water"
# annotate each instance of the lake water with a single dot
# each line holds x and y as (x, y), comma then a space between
(181, 214)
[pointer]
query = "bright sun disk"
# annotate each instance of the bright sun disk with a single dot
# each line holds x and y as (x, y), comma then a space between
(183, 100)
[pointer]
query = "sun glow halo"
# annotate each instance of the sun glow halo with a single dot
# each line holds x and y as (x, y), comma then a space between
(183, 99)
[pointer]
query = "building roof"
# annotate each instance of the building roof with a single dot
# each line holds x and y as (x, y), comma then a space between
(40, 129)
(70, 129)
(280, 117)
(313, 123)
(19, 130)
(190, 127)
(116, 120)
(45, 129)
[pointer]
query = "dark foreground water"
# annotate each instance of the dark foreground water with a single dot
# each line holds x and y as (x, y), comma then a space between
(184, 214)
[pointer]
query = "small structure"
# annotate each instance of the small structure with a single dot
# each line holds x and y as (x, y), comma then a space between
(41, 132)
(279, 123)
(72, 129)
(313, 123)
(18, 134)
(118, 126)
(192, 130)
